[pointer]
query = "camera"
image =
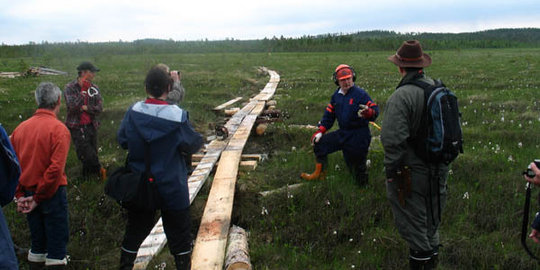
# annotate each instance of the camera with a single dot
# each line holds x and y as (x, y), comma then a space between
(529, 172)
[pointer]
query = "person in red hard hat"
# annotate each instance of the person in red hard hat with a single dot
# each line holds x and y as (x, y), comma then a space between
(353, 108)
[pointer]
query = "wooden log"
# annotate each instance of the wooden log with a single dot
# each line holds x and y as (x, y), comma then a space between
(261, 128)
(304, 126)
(271, 113)
(226, 104)
(286, 188)
(237, 256)
(271, 103)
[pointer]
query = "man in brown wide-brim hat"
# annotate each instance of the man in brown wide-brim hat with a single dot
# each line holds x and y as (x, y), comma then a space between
(416, 198)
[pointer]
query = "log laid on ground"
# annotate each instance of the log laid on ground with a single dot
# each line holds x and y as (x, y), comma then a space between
(286, 188)
(271, 103)
(271, 113)
(304, 126)
(226, 104)
(260, 129)
(237, 256)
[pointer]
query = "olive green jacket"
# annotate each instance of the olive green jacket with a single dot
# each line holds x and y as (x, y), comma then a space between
(402, 116)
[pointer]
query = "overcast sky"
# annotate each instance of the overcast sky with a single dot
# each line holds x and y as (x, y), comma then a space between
(23, 21)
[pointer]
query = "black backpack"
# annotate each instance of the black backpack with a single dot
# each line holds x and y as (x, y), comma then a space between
(439, 138)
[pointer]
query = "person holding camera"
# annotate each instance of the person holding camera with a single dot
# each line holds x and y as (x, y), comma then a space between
(353, 108)
(535, 233)
(176, 95)
(164, 130)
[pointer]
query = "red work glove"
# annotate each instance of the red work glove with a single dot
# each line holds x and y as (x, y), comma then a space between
(317, 135)
(368, 113)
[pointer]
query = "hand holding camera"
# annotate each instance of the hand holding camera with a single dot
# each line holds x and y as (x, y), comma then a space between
(532, 174)
(176, 75)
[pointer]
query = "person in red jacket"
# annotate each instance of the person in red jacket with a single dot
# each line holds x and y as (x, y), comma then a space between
(42, 145)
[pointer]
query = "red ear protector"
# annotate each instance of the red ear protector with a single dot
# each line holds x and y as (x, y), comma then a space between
(340, 67)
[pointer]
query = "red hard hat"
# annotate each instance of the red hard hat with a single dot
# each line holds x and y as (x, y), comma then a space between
(343, 72)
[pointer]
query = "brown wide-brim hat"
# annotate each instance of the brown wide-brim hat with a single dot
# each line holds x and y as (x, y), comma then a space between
(410, 54)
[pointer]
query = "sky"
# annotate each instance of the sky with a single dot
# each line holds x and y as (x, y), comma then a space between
(25, 21)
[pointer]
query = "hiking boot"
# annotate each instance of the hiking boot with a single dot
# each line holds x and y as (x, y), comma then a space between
(318, 174)
(103, 174)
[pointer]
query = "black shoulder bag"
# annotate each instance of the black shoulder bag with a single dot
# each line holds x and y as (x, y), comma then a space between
(134, 190)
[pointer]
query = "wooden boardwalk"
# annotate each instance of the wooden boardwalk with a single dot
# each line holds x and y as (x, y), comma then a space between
(230, 150)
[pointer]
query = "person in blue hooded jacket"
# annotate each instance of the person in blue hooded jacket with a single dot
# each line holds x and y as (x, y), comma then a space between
(353, 108)
(10, 171)
(167, 130)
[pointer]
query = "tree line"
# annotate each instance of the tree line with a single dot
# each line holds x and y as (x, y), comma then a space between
(359, 41)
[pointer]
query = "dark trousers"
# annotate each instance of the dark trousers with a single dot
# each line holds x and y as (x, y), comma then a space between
(347, 142)
(176, 223)
(85, 140)
(49, 227)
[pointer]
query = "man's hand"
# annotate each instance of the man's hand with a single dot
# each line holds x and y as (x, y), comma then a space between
(84, 108)
(535, 235)
(317, 135)
(536, 179)
(365, 112)
(26, 205)
(175, 75)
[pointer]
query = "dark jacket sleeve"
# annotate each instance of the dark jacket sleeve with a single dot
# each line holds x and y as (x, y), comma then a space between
(74, 99)
(395, 132)
(536, 222)
(190, 140)
(10, 169)
(329, 116)
(95, 102)
(121, 136)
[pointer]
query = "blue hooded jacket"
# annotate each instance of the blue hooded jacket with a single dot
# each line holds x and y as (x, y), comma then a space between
(9, 178)
(168, 131)
(344, 109)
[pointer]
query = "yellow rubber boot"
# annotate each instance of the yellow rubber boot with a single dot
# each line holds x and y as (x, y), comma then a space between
(318, 174)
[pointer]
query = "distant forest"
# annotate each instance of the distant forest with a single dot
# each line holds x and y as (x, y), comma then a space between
(360, 41)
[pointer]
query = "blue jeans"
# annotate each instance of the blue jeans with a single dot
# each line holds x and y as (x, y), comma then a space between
(49, 228)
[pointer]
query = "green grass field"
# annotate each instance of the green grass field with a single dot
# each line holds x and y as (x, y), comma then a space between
(331, 224)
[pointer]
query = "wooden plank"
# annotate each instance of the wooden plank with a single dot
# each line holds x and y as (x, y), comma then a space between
(209, 249)
(226, 104)
(257, 157)
(248, 165)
